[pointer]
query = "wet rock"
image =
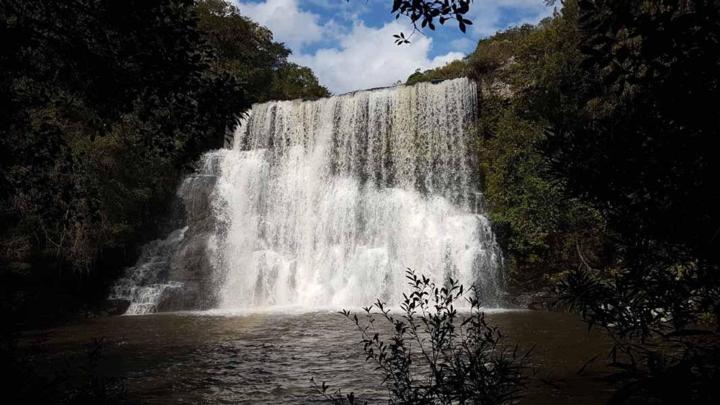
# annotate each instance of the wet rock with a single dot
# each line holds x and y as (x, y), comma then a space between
(113, 307)
(544, 300)
(176, 299)
(174, 273)
(191, 266)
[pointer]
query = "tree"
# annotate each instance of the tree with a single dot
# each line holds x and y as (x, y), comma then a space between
(291, 81)
(105, 105)
(426, 13)
(641, 153)
(247, 51)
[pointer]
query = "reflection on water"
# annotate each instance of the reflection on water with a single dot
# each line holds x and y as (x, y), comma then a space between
(270, 357)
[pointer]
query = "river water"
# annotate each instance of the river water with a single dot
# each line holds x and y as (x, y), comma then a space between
(269, 357)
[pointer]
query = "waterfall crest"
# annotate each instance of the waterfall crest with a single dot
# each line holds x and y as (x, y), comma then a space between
(327, 202)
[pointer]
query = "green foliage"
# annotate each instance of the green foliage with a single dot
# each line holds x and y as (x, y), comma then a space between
(426, 13)
(650, 171)
(452, 70)
(489, 56)
(495, 52)
(437, 355)
(292, 81)
(522, 74)
(536, 221)
(639, 149)
(106, 105)
(247, 51)
(78, 71)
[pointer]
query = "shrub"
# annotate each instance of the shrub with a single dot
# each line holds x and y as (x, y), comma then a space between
(437, 355)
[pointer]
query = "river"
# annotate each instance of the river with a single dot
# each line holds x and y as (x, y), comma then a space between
(269, 357)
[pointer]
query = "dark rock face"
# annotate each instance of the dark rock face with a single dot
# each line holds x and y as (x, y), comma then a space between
(176, 299)
(190, 264)
(541, 303)
(175, 273)
(544, 300)
(115, 307)
(190, 267)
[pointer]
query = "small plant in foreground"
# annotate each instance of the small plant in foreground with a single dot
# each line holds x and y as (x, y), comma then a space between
(436, 355)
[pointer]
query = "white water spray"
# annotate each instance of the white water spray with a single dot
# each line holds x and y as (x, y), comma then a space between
(325, 204)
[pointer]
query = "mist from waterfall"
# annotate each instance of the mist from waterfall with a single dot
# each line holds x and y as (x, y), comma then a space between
(326, 204)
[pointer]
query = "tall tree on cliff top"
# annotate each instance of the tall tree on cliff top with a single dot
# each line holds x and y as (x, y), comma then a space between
(248, 52)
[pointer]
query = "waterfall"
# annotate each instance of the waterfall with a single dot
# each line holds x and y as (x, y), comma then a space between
(328, 202)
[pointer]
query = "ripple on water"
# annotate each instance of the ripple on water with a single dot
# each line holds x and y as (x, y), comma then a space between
(269, 357)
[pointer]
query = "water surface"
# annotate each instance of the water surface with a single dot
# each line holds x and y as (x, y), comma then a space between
(270, 357)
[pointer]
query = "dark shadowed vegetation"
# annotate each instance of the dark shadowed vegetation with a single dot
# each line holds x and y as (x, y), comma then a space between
(247, 52)
(105, 105)
(595, 136)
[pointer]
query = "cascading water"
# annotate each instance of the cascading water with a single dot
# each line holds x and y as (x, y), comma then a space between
(327, 202)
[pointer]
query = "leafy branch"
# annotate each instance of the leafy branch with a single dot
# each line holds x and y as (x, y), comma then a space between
(424, 14)
(436, 354)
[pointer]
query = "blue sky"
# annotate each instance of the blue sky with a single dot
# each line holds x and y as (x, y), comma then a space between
(350, 46)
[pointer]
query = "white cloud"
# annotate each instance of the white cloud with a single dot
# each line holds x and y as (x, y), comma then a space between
(463, 44)
(350, 55)
(442, 60)
(288, 23)
(367, 57)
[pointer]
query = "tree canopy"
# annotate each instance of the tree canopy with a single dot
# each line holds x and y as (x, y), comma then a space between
(105, 105)
(248, 52)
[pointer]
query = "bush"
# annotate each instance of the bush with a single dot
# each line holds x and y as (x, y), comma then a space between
(436, 355)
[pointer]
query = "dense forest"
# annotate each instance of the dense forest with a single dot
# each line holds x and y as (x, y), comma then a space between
(596, 134)
(105, 106)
